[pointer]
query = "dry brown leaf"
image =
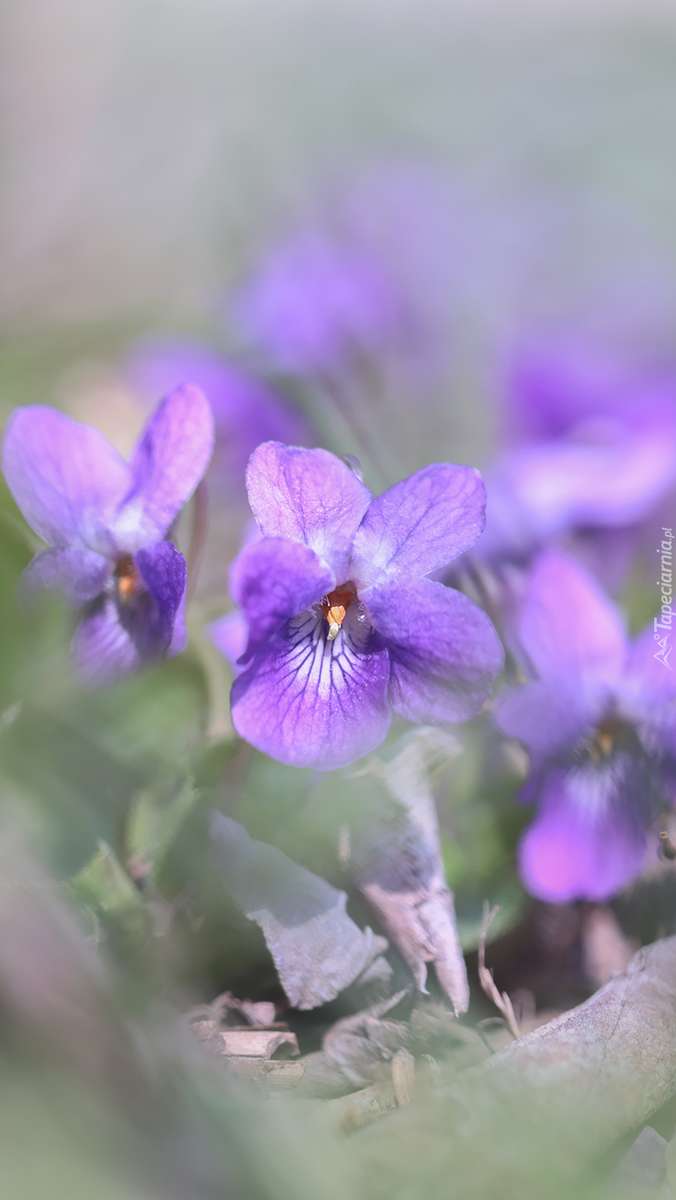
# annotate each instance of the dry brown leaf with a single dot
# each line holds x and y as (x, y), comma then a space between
(317, 949)
(399, 868)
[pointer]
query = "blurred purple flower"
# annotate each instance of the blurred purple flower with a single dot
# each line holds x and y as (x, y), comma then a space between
(599, 721)
(106, 521)
(343, 626)
(246, 411)
(555, 383)
(318, 301)
(592, 447)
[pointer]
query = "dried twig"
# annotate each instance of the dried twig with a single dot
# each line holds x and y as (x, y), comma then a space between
(403, 1076)
(500, 999)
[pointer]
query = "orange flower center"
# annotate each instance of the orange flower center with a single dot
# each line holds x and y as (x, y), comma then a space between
(335, 606)
(610, 732)
(127, 578)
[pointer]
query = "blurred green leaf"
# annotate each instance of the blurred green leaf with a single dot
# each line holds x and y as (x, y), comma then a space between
(105, 889)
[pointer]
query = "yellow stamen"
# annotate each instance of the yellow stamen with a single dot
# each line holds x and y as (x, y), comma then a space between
(127, 578)
(605, 741)
(335, 606)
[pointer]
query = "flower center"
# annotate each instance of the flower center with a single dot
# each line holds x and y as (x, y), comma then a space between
(127, 578)
(334, 606)
(611, 734)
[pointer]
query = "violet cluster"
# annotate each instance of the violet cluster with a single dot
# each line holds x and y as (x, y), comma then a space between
(342, 625)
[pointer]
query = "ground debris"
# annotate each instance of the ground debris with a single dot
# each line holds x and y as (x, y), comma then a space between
(246, 1042)
(578, 1085)
(403, 1076)
(226, 1006)
(361, 1049)
(216, 1027)
(276, 1073)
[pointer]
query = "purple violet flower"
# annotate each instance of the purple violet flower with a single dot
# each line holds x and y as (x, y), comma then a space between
(344, 628)
(599, 722)
(553, 384)
(593, 448)
(316, 301)
(106, 522)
